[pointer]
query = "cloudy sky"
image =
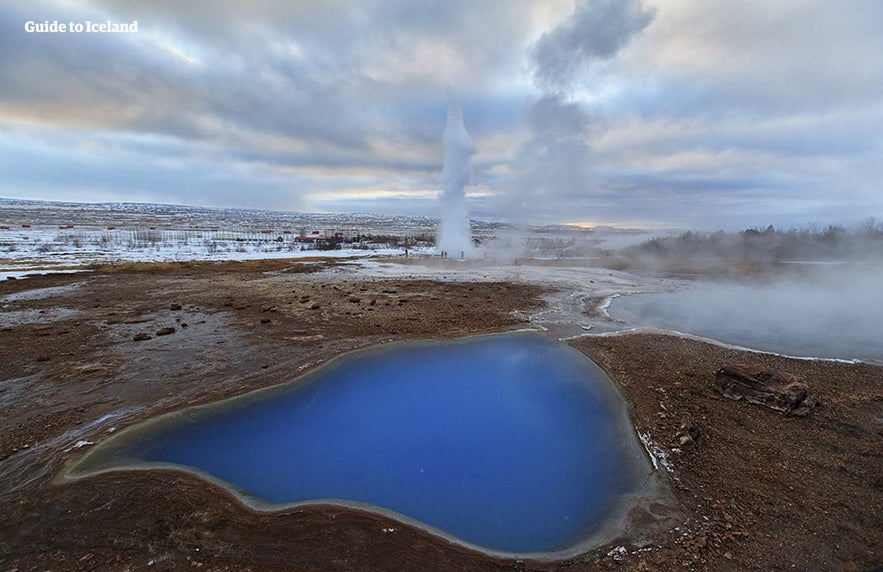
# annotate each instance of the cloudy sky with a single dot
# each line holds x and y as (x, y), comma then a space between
(662, 113)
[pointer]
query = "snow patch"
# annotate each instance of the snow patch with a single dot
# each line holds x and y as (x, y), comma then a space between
(658, 456)
(79, 444)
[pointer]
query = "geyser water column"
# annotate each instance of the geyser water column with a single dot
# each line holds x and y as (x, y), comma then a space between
(454, 236)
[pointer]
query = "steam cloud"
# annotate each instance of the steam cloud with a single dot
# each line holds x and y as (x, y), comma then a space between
(554, 162)
(454, 235)
(597, 30)
(834, 312)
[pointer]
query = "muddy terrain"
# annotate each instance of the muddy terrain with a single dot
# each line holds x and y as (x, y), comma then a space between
(83, 355)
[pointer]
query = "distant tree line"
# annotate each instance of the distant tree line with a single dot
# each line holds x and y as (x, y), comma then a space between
(813, 242)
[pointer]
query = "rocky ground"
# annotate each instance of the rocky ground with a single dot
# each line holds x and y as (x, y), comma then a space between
(82, 355)
(763, 491)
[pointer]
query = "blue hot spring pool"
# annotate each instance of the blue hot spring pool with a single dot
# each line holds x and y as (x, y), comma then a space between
(512, 442)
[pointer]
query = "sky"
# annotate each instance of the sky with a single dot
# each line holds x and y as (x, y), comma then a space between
(704, 114)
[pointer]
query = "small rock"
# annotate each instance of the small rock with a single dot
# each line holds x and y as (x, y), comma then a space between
(174, 307)
(140, 337)
(165, 331)
(805, 407)
(688, 433)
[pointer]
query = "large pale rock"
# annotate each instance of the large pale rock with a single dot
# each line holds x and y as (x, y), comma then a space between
(777, 390)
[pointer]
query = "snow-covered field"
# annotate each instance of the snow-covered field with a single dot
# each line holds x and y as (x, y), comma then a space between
(43, 235)
(82, 245)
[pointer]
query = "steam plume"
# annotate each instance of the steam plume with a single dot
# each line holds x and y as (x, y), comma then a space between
(596, 31)
(454, 236)
(554, 163)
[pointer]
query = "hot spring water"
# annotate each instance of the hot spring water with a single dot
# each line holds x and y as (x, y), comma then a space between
(512, 442)
(843, 321)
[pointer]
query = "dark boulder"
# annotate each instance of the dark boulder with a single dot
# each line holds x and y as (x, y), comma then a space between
(777, 390)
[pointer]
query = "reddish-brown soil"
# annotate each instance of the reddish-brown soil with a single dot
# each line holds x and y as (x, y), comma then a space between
(755, 490)
(763, 491)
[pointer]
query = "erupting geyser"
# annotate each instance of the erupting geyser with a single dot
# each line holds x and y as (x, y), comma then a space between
(454, 236)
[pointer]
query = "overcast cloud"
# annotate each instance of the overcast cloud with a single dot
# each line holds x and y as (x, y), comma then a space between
(707, 114)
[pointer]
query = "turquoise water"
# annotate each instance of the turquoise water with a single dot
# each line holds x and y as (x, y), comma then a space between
(513, 442)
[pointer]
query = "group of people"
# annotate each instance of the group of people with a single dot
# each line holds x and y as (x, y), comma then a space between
(444, 254)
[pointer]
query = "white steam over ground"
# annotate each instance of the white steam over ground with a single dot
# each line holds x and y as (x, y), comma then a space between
(454, 236)
(835, 312)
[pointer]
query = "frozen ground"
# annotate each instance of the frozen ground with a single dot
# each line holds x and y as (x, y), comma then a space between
(47, 248)
(838, 302)
(43, 236)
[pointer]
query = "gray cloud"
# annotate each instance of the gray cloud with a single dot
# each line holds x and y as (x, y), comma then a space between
(279, 84)
(286, 84)
(687, 113)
